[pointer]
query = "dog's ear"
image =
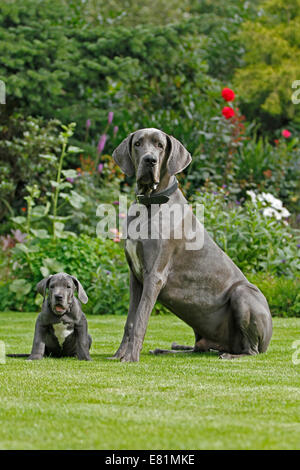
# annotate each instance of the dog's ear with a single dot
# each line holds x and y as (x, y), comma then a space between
(179, 158)
(42, 286)
(122, 156)
(81, 292)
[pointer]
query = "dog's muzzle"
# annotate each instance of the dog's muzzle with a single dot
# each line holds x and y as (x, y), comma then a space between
(148, 171)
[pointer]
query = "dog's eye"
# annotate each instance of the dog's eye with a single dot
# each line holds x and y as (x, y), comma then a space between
(137, 144)
(68, 287)
(160, 145)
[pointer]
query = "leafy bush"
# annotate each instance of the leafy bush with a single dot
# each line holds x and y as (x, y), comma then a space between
(229, 153)
(283, 294)
(22, 141)
(137, 72)
(271, 64)
(253, 240)
(99, 265)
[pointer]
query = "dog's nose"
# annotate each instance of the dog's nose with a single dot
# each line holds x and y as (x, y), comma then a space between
(150, 160)
(58, 297)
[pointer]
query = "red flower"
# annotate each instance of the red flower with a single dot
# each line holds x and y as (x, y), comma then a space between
(228, 112)
(23, 209)
(286, 134)
(228, 94)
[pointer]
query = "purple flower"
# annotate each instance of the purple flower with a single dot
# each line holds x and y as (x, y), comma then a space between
(88, 123)
(71, 180)
(19, 236)
(110, 117)
(7, 242)
(115, 130)
(100, 167)
(238, 203)
(108, 272)
(101, 143)
(215, 193)
(283, 260)
(298, 246)
(116, 203)
(224, 186)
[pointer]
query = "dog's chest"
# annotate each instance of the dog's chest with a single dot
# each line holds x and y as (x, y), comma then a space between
(62, 331)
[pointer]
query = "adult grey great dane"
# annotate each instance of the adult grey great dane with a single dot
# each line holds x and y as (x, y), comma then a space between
(203, 287)
(61, 328)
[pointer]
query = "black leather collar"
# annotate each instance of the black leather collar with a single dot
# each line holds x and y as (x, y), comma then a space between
(158, 198)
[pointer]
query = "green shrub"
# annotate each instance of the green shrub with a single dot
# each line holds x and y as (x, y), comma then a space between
(99, 264)
(282, 294)
(22, 141)
(256, 242)
(271, 64)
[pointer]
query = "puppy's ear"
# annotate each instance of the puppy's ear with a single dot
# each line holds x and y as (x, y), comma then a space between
(122, 156)
(42, 286)
(179, 157)
(81, 292)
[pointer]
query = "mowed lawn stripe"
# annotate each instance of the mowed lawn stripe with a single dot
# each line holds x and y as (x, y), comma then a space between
(183, 401)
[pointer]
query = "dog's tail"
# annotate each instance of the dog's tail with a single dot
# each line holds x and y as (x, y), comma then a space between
(17, 355)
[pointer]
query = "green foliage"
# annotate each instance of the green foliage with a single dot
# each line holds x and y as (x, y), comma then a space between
(230, 153)
(149, 75)
(253, 240)
(22, 141)
(283, 294)
(272, 63)
(99, 265)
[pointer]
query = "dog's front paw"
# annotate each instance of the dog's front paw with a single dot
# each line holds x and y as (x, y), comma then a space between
(34, 357)
(83, 357)
(132, 354)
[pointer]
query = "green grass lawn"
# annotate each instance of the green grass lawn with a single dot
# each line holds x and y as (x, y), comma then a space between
(183, 401)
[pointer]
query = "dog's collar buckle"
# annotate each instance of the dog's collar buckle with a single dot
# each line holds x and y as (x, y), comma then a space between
(159, 198)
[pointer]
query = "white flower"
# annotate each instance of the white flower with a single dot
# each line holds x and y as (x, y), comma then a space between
(285, 213)
(270, 212)
(274, 206)
(276, 203)
(252, 195)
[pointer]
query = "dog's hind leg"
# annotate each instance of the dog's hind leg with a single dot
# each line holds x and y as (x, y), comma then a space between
(251, 328)
(201, 345)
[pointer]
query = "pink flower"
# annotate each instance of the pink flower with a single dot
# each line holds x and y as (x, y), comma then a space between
(110, 117)
(19, 236)
(100, 167)
(101, 143)
(115, 130)
(286, 134)
(88, 124)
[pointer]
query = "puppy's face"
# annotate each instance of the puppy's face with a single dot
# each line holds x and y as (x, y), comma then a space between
(148, 149)
(61, 291)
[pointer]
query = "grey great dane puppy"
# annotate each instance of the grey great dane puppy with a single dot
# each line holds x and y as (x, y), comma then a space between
(203, 287)
(61, 328)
